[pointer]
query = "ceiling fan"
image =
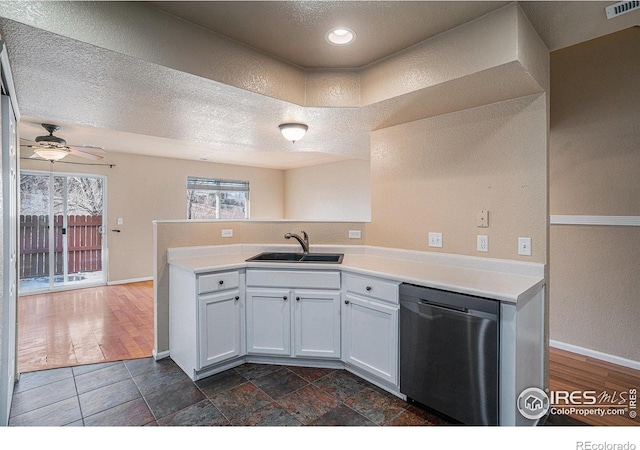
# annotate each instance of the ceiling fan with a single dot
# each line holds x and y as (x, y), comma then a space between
(54, 148)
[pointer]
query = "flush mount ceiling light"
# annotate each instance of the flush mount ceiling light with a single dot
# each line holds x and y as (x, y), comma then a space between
(293, 131)
(340, 36)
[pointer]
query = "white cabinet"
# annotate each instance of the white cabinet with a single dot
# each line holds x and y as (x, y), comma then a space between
(370, 326)
(316, 323)
(206, 319)
(293, 313)
(268, 321)
(219, 327)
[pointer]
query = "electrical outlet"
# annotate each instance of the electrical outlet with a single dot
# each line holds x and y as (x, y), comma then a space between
(524, 246)
(435, 239)
(355, 234)
(227, 233)
(483, 243)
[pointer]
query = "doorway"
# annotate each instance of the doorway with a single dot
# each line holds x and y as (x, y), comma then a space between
(62, 223)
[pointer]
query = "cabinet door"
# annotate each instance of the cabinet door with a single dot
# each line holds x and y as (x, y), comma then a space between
(220, 326)
(370, 337)
(317, 324)
(268, 322)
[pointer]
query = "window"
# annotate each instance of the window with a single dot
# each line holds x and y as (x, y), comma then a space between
(209, 198)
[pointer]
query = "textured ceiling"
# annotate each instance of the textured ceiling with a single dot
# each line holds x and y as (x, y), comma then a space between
(156, 110)
(129, 104)
(561, 24)
(294, 31)
(202, 118)
(155, 101)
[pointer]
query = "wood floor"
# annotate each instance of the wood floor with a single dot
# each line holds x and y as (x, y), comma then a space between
(85, 326)
(573, 372)
(114, 323)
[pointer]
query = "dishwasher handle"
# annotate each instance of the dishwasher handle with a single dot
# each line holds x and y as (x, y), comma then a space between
(451, 308)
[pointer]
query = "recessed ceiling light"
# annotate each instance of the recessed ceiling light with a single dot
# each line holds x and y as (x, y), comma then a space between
(340, 36)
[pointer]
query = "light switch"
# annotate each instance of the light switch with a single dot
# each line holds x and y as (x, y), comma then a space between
(120, 221)
(435, 239)
(524, 246)
(483, 219)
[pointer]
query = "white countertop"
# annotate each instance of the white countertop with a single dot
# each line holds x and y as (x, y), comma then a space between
(494, 284)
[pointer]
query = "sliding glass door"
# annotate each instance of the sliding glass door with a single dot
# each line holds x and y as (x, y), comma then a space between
(62, 222)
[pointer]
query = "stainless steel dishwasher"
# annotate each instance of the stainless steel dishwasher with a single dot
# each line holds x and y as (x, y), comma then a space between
(449, 347)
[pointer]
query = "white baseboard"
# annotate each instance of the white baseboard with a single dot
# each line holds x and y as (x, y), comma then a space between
(159, 355)
(131, 280)
(596, 354)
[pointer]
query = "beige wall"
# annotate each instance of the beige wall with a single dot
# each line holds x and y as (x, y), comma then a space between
(436, 174)
(335, 191)
(594, 166)
(594, 286)
(141, 189)
(595, 126)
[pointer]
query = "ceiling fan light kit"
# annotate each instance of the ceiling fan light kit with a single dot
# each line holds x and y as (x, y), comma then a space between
(53, 148)
(51, 153)
(293, 131)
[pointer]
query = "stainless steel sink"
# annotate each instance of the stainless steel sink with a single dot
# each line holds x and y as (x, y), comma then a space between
(326, 258)
(335, 258)
(277, 257)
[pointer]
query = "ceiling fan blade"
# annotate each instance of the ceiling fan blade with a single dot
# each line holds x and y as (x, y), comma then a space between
(93, 149)
(86, 155)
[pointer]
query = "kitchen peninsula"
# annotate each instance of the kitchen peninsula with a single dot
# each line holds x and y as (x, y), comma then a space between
(224, 311)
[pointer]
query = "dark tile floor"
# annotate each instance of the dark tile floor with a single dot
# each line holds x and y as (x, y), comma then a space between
(145, 392)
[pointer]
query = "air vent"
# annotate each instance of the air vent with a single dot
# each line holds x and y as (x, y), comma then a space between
(620, 8)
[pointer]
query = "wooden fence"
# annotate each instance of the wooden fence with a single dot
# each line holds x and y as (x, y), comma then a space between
(84, 245)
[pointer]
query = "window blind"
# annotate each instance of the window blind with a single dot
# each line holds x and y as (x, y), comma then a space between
(211, 184)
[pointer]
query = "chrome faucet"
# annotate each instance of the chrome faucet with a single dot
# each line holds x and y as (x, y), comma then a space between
(304, 242)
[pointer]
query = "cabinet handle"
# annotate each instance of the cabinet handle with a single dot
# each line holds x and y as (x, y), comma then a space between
(297, 299)
(368, 288)
(221, 282)
(237, 297)
(346, 302)
(284, 298)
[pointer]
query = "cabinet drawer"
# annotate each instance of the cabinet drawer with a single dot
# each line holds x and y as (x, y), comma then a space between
(294, 279)
(370, 287)
(218, 282)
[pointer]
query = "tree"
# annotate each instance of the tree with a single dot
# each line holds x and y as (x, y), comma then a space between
(85, 195)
